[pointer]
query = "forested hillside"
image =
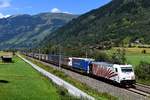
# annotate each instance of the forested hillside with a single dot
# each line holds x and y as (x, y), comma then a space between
(118, 22)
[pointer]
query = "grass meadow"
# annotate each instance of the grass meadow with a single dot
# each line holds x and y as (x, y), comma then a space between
(19, 81)
(134, 55)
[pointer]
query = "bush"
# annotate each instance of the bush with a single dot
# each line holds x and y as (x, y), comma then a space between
(119, 57)
(101, 56)
(144, 51)
(143, 71)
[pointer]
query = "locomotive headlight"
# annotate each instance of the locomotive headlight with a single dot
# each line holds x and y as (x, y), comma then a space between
(124, 78)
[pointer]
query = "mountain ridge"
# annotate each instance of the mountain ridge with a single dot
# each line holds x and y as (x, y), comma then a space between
(28, 30)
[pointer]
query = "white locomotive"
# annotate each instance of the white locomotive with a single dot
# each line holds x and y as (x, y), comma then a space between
(122, 74)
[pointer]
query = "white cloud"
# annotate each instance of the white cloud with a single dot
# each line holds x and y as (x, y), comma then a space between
(3, 16)
(56, 10)
(4, 3)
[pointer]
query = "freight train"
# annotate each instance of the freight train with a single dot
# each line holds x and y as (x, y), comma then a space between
(122, 74)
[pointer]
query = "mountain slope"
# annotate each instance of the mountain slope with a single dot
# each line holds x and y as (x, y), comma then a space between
(27, 31)
(120, 21)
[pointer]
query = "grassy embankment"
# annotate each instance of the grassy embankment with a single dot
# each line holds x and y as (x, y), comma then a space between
(78, 84)
(19, 81)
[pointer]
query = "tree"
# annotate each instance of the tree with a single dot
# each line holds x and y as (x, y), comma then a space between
(143, 71)
(101, 56)
(119, 57)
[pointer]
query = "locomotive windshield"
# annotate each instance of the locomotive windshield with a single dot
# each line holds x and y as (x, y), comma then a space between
(126, 69)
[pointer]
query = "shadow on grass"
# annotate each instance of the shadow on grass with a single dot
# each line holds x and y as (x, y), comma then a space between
(4, 81)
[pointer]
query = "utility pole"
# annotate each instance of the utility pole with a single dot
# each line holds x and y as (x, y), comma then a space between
(86, 54)
(60, 57)
(39, 54)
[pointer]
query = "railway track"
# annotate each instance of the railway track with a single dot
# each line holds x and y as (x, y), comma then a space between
(144, 86)
(141, 89)
(141, 92)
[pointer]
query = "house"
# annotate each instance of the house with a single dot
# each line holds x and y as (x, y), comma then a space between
(6, 58)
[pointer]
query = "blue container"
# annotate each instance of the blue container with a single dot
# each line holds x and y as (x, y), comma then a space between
(55, 59)
(81, 64)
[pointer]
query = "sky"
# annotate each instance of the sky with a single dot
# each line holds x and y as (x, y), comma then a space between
(32, 7)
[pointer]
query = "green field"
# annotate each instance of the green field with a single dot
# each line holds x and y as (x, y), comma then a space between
(19, 81)
(135, 59)
(134, 55)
